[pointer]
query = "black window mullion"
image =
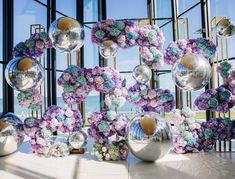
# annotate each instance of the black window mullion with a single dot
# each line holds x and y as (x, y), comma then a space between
(8, 39)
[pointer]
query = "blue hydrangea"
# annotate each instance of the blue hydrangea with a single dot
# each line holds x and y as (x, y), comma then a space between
(81, 79)
(133, 35)
(103, 126)
(111, 115)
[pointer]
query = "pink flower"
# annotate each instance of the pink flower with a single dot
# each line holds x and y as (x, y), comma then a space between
(99, 80)
(107, 100)
(152, 94)
(66, 76)
(40, 44)
(117, 92)
(121, 39)
(68, 112)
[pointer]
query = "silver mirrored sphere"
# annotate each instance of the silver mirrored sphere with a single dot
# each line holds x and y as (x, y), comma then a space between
(142, 73)
(67, 34)
(77, 139)
(191, 72)
(149, 136)
(225, 28)
(11, 133)
(24, 73)
(108, 49)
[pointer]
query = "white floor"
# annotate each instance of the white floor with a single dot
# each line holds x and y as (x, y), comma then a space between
(24, 164)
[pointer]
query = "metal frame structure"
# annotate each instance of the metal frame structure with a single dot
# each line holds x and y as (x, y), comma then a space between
(8, 31)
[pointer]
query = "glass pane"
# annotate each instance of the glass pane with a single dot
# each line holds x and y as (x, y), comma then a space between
(224, 8)
(26, 13)
(163, 8)
(123, 9)
(67, 7)
(1, 88)
(194, 24)
(184, 5)
(1, 1)
(92, 103)
(166, 27)
(127, 59)
(90, 10)
(44, 1)
(91, 54)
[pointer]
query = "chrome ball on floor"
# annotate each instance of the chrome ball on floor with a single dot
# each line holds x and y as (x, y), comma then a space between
(149, 136)
(11, 133)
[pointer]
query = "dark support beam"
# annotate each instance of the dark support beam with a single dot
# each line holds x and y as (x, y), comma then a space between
(102, 16)
(205, 33)
(8, 39)
(53, 59)
(80, 18)
(48, 56)
(80, 55)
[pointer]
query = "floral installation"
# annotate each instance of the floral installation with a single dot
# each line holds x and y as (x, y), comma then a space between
(55, 119)
(192, 136)
(188, 133)
(157, 100)
(109, 130)
(104, 79)
(177, 49)
(151, 36)
(78, 82)
(123, 33)
(75, 85)
(224, 69)
(31, 99)
(218, 100)
(116, 98)
(35, 46)
(114, 151)
(127, 34)
(152, 57)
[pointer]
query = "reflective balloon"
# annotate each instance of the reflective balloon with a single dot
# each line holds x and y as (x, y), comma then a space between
(67, 34)
(142, 73)
(11, 133)
(108, 49)
(191, 72)
(225, 28)
(24, 73)
(149, 136)
(77, 139)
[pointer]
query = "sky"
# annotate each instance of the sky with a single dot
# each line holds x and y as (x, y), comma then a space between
(29, 12)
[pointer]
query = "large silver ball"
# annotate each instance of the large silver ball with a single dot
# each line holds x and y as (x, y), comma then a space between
(142, 73)
(67, 34)
(24, 73)
(225, 28)
(108, 49)
(11, 133)
(149, 136)
(191, 72)
(77, 139)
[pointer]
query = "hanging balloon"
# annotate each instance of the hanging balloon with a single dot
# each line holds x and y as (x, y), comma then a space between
(225, 28)
(148, 136)
(11, 133)
(191, 72)
(142, 73)
(67, 34)
(108, 49)
(77, 139)
(24, 73)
